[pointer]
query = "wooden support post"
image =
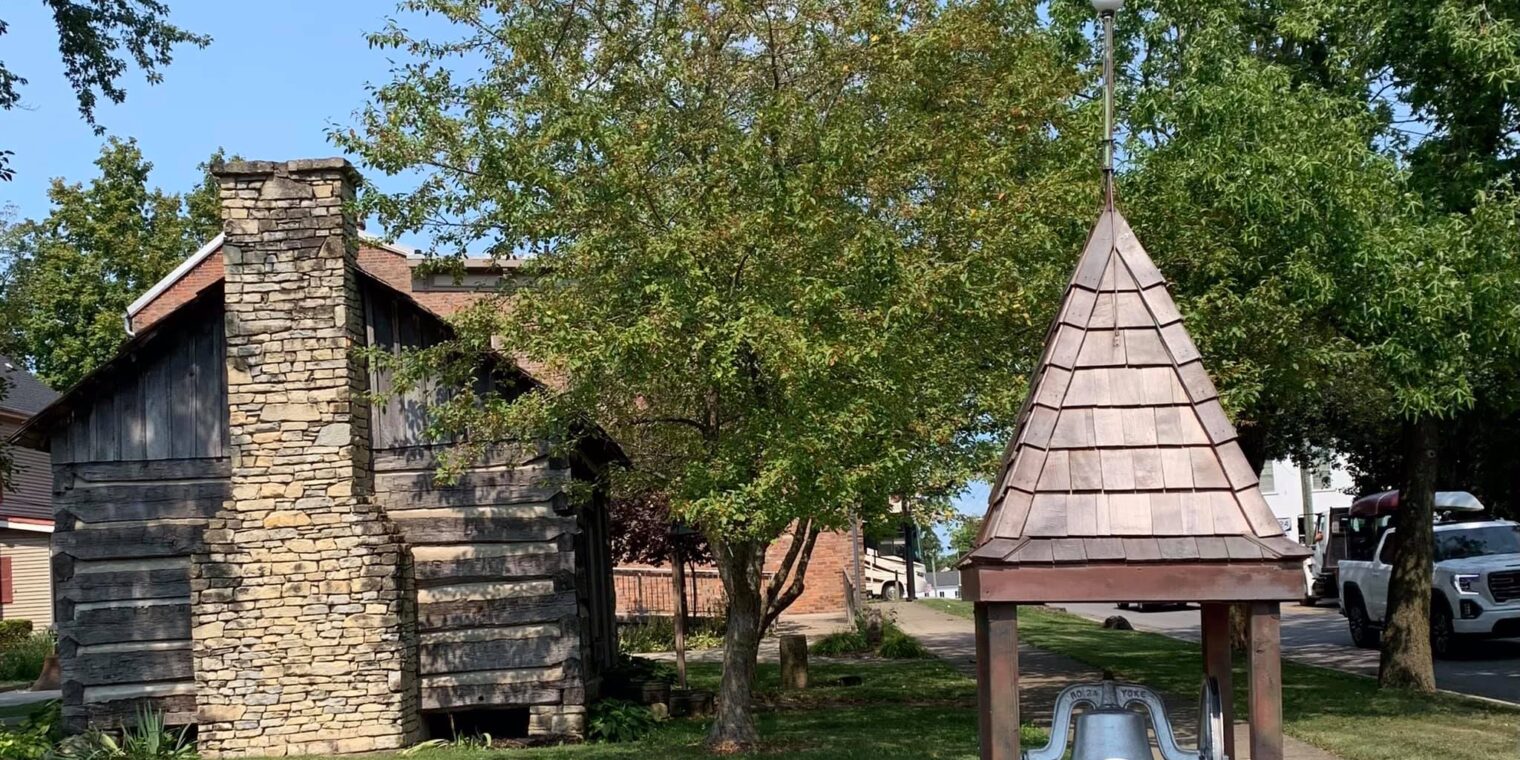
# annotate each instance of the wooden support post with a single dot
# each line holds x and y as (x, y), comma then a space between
(997, 679)
(677, 574)
(1217, 663)
(1266, 682)
(794, 661)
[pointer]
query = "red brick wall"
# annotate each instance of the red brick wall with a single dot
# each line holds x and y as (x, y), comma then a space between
(207, 273)
(823, 589)
(645, 590)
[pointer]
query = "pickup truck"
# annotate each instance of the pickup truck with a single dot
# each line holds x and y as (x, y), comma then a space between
(1475, 589)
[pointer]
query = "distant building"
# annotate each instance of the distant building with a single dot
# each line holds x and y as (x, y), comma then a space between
(943, 585)
(26, 506)
(1330, 485)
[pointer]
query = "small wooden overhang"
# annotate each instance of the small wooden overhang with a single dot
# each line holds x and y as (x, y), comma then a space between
(1124, 482)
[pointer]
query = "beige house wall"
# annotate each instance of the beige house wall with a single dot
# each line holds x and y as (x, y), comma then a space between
(33, 586)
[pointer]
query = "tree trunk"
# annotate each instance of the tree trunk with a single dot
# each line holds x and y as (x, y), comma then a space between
(1240, 629)
(1406, 661)
(739, 565)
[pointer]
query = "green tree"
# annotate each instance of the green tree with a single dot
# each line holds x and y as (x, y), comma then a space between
(72, 274)
(91, 36)
(793, 256)
(963, 535)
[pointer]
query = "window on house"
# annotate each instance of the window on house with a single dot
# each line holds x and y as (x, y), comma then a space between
(1268, 479)
(1320, 476)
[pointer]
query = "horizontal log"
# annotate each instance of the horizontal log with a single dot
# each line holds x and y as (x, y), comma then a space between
(464, 530)
(155, 469)
(177, 709)
(439, 572)
(157, 583)
(109, 625)
(150, 491)
(464, 656)
(471, 613)
(488, 696)
(534, 473)
(131, 510)
(423, 458)
(130, 540)
(109, 668)
(551, 493)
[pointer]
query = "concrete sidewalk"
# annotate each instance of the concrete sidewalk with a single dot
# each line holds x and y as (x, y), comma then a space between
(1042, 676)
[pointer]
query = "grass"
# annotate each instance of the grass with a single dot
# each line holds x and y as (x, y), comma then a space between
(920, 709)
(1345, 714)
(22, 660)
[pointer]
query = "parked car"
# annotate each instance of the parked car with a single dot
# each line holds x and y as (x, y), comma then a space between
(1475, 589)
(1321, 575)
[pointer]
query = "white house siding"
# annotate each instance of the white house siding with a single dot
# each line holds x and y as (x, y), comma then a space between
(32, 586)
(1284, 492)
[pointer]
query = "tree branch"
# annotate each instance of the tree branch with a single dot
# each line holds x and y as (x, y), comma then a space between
(798, 555)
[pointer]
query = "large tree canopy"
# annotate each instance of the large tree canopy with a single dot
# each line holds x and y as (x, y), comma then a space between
(796, 257)
(70, 276)
(97, 40)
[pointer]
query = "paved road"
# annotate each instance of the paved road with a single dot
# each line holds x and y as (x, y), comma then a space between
(1318, 636)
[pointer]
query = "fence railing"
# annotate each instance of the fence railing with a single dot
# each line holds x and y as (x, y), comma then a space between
(643, 591)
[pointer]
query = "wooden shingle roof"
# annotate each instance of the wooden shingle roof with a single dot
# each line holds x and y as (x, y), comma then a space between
(1122, 452)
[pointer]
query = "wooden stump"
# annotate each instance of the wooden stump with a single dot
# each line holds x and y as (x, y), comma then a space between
(874, 627)
(51, 677)
(794, 662)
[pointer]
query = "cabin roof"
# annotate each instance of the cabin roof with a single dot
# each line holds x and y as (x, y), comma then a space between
(1122, 452)
(24, 395)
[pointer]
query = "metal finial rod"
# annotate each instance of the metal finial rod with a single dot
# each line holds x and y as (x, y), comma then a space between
(1106, 10)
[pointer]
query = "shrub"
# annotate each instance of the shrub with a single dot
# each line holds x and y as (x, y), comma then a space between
(34, 737)
(148, 739)
(658, 634)
(614, 720)
(841, 644)
(22, 659)
(895, 644)
(12, 631)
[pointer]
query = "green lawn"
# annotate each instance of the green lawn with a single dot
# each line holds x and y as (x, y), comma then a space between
(1341, 713)
(904, 709)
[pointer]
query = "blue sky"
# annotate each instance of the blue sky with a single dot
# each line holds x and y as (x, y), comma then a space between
(277, 74)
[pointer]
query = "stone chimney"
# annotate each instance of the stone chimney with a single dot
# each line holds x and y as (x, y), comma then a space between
(302, 605)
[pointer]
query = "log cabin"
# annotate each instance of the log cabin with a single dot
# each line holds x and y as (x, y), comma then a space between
(250, 534)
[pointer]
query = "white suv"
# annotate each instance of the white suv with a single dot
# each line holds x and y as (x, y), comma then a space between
(1475, 589)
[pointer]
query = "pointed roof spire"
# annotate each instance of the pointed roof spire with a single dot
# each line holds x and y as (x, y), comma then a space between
(1123, 452)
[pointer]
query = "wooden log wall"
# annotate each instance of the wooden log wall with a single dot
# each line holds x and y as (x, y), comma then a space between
(170, 403)
(498, 615)
(121, 565)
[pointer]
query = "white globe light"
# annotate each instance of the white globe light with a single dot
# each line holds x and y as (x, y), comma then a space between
(1107, 6)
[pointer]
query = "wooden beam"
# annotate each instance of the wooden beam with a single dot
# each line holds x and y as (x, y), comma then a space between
(1217, 663)
(1135, 582)
(1266, 682)
(997, 680)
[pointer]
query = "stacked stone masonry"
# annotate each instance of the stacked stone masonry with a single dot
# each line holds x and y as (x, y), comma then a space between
(304, 629)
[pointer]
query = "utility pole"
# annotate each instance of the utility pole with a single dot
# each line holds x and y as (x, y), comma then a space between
(1306, 484)
(910, 541)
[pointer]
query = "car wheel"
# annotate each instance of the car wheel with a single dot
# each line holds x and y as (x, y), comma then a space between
(1443, 637)
(1123, 605)
(1362, 632)
(891, 592)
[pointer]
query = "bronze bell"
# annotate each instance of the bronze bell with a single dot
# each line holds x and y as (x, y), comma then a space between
(1109, 729)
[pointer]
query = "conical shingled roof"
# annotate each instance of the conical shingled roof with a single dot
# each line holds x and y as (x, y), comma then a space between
(1122, 452)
